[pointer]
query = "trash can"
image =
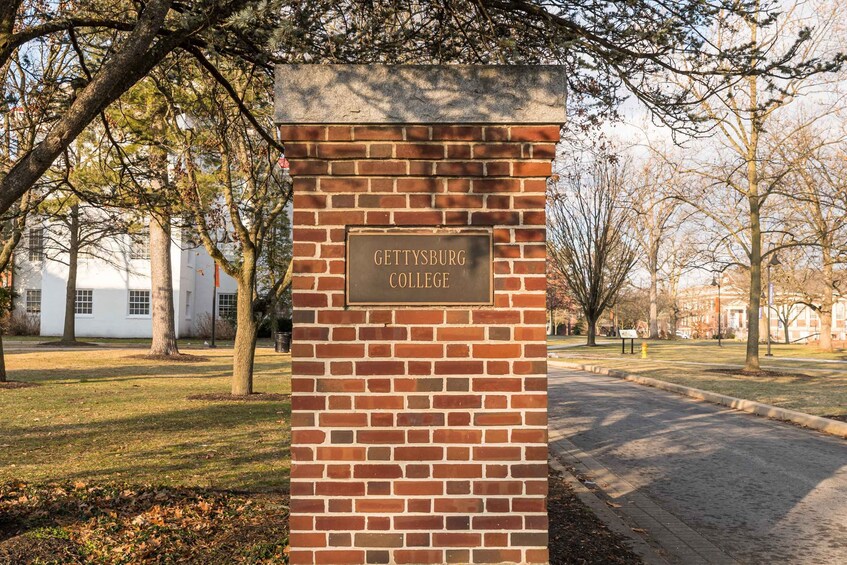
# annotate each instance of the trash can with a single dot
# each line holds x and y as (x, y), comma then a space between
(282, 342)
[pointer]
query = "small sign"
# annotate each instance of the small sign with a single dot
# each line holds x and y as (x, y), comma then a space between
(628, 334)
(396, 266)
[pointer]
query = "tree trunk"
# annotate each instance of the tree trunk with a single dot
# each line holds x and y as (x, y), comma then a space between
(592, 330)
(246, 331)
(69, 330)
(825, 312)
(162, 295)
(654, 292)
(787, 333)
(3, 377)
(751, 362)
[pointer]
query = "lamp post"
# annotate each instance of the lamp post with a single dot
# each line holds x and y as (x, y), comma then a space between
(772, 263)
(716, 281)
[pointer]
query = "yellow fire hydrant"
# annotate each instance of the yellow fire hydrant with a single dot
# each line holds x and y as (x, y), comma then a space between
(644, 350)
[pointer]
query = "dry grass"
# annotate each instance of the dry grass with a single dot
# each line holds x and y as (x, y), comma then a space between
(107, 415)
(801, 378)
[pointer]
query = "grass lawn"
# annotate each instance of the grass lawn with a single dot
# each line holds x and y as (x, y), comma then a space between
(812, 381)
(106, 460)
(105, 415)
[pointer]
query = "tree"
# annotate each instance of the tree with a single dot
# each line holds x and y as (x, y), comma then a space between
(602, 43)
(741, 113)
(657, 219)
(73, 230)
(817, 179)
(590, 231)
(236, 189)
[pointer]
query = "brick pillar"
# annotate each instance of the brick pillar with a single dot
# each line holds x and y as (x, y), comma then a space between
(419, 435)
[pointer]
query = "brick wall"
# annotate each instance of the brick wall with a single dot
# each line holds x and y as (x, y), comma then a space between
(419, 435)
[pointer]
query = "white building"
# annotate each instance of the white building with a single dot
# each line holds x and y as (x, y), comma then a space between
(113, 290)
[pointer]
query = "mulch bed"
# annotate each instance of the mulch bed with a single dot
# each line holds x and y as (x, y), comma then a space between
(181, 358)
(16, 384)
(760, 373)
(577, 536)
(67, 344)
(839, 417)
(79, 523)
(255, 397)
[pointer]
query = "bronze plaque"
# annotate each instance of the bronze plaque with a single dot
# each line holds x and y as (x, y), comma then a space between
(396, 266)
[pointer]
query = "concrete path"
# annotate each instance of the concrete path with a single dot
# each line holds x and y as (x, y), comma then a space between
(709, 484)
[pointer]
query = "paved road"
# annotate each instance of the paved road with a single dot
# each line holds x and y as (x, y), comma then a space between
(761, 491)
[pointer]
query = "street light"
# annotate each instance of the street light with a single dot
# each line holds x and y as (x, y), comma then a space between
(774, 262)
(716, 281)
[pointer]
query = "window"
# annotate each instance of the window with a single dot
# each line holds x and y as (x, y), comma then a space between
(33, 301)
(188, 304)
(139, 302)
(84, 304)
(36, 244)
(140, 247)
(226, 305)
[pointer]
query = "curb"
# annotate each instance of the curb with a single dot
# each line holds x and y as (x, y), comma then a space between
(825, 425)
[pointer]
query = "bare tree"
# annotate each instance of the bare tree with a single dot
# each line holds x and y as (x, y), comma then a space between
(741, 114)
(590, 231)
(657, 217)
(817, 181)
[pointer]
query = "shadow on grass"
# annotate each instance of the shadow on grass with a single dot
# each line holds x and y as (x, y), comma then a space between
(214, 441)
(118, 373)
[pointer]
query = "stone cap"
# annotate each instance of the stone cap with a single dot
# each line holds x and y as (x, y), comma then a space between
(420, 94)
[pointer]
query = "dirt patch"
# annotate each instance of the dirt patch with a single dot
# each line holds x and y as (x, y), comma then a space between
(67, 344)
(760, 373)
(255, 397)
(181, 358)
(577, 536)
(78, 523)
(16, 384)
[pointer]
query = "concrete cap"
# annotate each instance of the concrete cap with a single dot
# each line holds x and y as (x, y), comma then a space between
(425, 94)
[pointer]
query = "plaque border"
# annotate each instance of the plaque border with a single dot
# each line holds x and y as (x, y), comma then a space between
(393, 230)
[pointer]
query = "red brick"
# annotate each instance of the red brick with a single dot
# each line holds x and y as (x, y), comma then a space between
(342, 150)
(482, 384)
(496, 150)
(417, 350)
(409, 419)
(497, 419)
(419, 316)
(420, 151)
(379, 402)
(371, 471)
(418, 556)
(430, 185)
(457, 436)
(308, 167)
(339, 350)
(459, 168)
(454, 401)
(456, 539)
(418, 488)
(381, 505)
(344, 184)
(343, 420)
(297, 133)
(382, 334)
(418, 453)
(535, 133)
(494, 185)
(495, 218)
(382, 168)
(418, 522)
(457, 133)
(382, 201)
(432, 217)
(457, 471)
(458, 367)
(377, 133)
(458, 201)
(379, 367)
(455, 151)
